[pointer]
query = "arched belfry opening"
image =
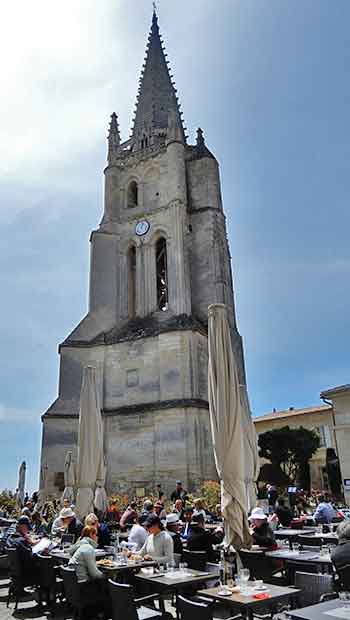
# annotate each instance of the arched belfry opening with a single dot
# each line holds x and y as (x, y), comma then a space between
(133, 194)
(132, 282)
(162, 274)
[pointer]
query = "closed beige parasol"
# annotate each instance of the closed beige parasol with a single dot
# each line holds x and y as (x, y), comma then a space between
(226, 417)
(89, 443)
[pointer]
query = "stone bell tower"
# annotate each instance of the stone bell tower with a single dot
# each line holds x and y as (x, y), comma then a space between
(159, 258)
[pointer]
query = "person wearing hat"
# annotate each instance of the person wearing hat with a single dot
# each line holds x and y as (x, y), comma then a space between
(260, 530)
(22, 542)
(138, 533)
(179, 492)
(67, 523)
(159, 544)
(173, 528)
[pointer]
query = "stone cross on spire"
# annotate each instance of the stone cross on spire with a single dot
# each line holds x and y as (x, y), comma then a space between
(113, 137)
(157, 100)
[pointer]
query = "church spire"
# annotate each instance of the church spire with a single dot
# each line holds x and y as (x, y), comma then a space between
(113, 137)
(156, 101)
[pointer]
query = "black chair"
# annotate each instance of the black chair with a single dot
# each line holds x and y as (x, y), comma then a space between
(50, 586)
(260, 566)
(126, 607)
(18, 578)
(188, 609)
(313, 588)
(196, 560)
(72, 592)
(309, 541)
(293, 567)
(343, 580)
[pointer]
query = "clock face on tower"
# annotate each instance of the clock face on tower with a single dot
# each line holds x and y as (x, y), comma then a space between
(142, 227)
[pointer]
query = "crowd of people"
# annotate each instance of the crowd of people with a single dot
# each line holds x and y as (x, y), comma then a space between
(156, 530)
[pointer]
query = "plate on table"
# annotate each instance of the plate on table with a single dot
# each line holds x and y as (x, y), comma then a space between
(260, 589)
(224, 593)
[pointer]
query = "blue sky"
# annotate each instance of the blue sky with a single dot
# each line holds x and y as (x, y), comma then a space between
(268, 83)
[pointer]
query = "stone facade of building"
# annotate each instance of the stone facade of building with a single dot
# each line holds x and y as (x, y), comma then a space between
(340, 398)
(158, 259)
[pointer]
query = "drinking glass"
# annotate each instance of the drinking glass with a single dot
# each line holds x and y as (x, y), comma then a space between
(244, 574)
(295, 547)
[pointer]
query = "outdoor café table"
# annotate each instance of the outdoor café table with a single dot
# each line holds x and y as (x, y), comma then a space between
(64, 556)
(122, 572)
(247, 605)
(323, 562)
(322, 611)
(291, 534)
(330, 537)
(176, 580)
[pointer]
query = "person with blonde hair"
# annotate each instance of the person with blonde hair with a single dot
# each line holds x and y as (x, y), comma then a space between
(90, 578)
(103, 533)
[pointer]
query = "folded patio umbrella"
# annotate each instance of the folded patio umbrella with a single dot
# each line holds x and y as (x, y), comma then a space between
(226, 417)
(89, 443)
(21, 484)
(251, 453)
(69, 478)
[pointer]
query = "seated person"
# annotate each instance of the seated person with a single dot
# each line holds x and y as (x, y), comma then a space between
(39, 525)
(159, 510)
(90, 578)
(138, 533)
(217, 516)
(324, 512)
(159, 544)
(112, 512)
(340, 555)
(148, 507)
(260, 530)
(198, 508)
(186, 522)
(283, 513)
(67, 524)
(22, 542)
(178, 508)
(173, 528)
(103, 533)
(200, 540)
(129, 516)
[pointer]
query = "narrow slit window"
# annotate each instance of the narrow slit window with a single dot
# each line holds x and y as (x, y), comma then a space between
(133, 194)
(162, 275)
(132, 282)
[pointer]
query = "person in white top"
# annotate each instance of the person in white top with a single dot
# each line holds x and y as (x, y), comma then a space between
(138, 533)
(159, 545)
(198, 508)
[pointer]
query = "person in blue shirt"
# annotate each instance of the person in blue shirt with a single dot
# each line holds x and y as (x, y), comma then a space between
(324, 512)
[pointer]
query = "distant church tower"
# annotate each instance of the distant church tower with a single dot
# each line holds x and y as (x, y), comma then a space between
(159, 258)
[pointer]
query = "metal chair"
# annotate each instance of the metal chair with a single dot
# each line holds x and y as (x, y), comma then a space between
(293, 566)
(343, 581)
(49, 585)
(312, 587)
(196, 560)
(72, 592)
(18, 578)
(126, 607)
(188, 609)
(310, 541)
(260, 566)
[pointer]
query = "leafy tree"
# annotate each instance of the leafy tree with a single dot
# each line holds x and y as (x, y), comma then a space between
(289, 448)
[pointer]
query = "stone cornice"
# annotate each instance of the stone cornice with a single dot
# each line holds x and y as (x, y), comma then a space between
(177, 403)
(148, 327)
